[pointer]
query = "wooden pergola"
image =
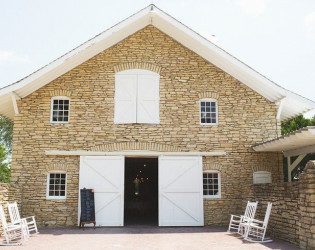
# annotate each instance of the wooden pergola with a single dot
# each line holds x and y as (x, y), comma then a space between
(298, 143)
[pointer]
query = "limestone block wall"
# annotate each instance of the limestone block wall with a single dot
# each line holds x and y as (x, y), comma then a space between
(4, 193)
(245, 118)
(307, 207)
(236, 182)
(284, 219)
(293, 208)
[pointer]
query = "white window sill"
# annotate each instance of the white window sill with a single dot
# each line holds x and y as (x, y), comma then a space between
(63, 198)
(209, 124)
(59, 122)
(209, 197)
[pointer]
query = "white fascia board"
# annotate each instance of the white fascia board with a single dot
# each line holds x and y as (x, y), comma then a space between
(225, 61)
(210, 51)
(302, 99)
(121, 31)
(6, 107)
(300, 142)
(299, 151)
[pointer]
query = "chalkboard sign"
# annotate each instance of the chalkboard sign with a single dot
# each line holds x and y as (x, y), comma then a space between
(87, 207)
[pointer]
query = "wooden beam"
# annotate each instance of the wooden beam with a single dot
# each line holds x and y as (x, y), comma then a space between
(297, 161)
(133, 153)
(292, 166)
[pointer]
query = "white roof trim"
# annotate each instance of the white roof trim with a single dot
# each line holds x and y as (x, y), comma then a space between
(296, 143)
(151, 15)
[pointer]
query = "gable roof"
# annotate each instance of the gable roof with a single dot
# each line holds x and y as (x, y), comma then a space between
(290, 104)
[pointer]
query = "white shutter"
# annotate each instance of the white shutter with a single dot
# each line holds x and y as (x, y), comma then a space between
(180, 191)
(125, 99)
(148, 99)
(104, 174)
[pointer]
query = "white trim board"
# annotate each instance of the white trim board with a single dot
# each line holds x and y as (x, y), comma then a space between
(133, 153)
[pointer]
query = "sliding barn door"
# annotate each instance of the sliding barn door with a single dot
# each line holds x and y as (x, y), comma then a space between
(105, 174)
(180, 191)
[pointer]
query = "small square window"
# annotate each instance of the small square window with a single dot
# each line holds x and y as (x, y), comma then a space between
(208, 112)
(56, 186)
(211, 185)
(60, 110)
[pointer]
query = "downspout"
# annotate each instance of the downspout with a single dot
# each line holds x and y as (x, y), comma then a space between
(280, 104)
(14, 98)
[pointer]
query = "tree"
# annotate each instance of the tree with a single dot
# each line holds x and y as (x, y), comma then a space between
(290, 126)
(296, 123)
(5, 171)
(6, 131)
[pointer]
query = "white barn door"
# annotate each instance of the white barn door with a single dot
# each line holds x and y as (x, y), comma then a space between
(104, 174)
(180, 191)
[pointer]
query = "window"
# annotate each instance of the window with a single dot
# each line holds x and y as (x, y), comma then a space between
(137, 97)
(261, 177)
(60, 108)
(208, 112)
(211, 184)
(56, 185)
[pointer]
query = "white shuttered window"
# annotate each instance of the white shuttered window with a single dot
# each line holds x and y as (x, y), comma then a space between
(137, 97)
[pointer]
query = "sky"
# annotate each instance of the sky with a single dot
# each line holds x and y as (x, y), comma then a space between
(274, 37)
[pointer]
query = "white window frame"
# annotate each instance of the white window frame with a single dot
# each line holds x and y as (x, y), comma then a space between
(217, 196)
(266, 173)
(51, 109)
(137, 73)
(217, 111)
(51, 197)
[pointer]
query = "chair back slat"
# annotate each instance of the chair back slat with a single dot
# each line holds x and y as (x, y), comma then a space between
(14, 212)
(250, 209)
(267, 215)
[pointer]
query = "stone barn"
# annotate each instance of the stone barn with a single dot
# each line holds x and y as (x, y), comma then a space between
(156, 119)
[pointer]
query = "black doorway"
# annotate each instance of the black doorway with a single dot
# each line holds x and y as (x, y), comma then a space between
(141, 191)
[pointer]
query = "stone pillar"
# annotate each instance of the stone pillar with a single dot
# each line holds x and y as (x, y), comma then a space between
(307, 207)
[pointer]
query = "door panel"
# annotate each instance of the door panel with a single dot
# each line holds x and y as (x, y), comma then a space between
(180, 191)
(104, 174)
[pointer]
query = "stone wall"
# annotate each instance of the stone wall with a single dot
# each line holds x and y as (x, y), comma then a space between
(245, 118)
(293, 208)
(307, 207)
(4, 194)
(284, 219)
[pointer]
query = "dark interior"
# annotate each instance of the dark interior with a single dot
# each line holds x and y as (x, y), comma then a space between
(141, 191)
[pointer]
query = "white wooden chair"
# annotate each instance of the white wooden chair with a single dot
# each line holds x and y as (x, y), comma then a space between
(235, 221)
(255, 230)
(15, 218)
(13, 234)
